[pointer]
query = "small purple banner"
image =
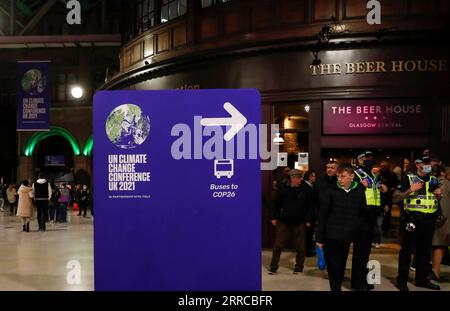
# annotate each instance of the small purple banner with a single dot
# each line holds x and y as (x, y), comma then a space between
(375, 116)
(33, 96)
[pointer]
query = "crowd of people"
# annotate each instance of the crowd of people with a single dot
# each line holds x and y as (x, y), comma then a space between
(49, 199)
(352, 204)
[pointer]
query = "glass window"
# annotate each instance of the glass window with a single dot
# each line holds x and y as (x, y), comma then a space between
(171, 9)
(145, 15)
(65, 82)
(208, 3)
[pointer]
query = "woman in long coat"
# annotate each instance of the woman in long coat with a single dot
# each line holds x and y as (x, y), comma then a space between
(25, 206)
(441, 238)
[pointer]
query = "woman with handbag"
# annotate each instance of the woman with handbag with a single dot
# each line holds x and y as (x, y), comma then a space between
(25, 206)
(441, 238)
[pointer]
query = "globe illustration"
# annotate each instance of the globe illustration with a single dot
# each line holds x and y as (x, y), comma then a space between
(127, 126)
(34, 82)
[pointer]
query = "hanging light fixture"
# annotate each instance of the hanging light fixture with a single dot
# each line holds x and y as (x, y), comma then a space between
(77, 92)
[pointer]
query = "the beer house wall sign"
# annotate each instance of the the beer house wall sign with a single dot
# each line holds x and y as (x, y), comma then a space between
(395, 66)
(374, 116)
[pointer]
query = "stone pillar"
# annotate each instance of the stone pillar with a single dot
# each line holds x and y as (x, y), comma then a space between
(82, 163)
(25, 169)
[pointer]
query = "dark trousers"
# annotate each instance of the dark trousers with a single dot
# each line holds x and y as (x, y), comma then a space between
(83, 208)
(283, 233)
(310, 243)
(61, 212)
(364, 242)
(13, 207)
(52, 211)
(42, 213)
(336, 254)
(419, 240)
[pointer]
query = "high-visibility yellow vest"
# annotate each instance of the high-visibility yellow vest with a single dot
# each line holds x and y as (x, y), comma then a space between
(373, 195)
(426, 203)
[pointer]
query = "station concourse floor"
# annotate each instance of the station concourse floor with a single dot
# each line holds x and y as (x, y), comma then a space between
(37, 261)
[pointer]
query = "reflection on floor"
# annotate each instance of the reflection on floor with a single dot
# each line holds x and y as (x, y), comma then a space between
(312, 279)
(38, 260)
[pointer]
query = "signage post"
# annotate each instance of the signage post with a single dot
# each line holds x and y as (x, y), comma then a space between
(176, 207)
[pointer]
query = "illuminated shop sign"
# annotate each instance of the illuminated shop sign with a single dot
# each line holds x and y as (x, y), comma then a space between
(399, 116)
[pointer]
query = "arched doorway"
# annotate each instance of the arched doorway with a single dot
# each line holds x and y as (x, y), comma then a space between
(55, 158)
(53, 153)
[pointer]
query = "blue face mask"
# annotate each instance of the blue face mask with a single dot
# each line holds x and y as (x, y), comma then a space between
(368, 163)
(427, 169)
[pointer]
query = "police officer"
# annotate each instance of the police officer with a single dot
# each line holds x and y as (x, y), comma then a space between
(373, 188)
(420, 191)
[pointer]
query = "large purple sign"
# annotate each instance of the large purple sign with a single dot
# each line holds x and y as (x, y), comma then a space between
(33, 96)
(396, 116)
(176, 209)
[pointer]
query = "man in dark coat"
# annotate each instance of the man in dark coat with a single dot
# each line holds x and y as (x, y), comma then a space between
(42, 194)
(342, 220)
(290, 216)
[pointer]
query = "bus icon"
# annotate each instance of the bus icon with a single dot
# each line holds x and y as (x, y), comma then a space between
(223, 168)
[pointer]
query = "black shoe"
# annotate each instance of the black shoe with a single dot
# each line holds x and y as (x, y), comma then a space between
(370, 286)
(402, 287)
(298, 269)
(273, 270)
(28, 227)
(429, 285)
(432, 276)
(24, 229)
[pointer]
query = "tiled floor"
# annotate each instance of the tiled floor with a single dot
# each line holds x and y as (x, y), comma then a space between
(38, 260)
(312, 279)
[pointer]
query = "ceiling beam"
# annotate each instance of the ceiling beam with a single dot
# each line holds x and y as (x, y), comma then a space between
(9, 15)
(12, 17)
(38, 16)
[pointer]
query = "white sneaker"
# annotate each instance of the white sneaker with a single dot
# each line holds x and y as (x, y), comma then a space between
(377, 245)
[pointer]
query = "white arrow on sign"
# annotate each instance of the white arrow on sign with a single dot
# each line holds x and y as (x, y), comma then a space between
(237, 121)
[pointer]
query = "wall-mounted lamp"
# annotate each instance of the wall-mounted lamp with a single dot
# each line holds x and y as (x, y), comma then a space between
(328, 30)
(307, 108)
(278, 140)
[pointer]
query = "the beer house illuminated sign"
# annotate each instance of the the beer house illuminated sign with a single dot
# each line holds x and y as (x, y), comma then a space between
(373, 116)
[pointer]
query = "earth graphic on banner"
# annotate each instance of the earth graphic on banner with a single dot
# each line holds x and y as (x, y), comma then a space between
(34, 82)
(127, 126)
